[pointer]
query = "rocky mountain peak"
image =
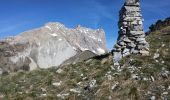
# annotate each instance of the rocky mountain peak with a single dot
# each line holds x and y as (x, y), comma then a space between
(51, 45)
(54, 25)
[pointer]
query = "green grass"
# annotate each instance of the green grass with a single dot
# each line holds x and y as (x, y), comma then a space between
(38, 84)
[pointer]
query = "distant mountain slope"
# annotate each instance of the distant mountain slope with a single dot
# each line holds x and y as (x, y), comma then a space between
(136, 78)
(159, 25)
(49, 46)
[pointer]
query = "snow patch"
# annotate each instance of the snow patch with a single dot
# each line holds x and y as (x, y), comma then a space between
(60, 39)
(53, 34)
(48, 27)
(100, 51)
(81, 48)
(74, 48)
(93, 37)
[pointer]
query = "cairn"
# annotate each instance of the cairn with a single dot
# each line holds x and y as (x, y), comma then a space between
(131, 38)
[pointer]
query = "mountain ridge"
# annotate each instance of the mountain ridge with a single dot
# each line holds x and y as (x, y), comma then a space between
(51, 45)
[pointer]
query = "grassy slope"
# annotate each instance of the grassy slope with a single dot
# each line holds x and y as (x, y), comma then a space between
(138, 78)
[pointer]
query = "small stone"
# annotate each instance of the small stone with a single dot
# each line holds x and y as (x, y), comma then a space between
(57, 83)
(145, 79)
(59, 71)
(43, 89)
(76, 90)
(163, 62)
(114, 86)
(81, 75)
(109, 77)
(112, 67)
(163, 45)
(43, 95)
(92, 83)
(156, 55)
(135, 76)
(1, 71)
(153, 98)
(168, 87)
(144, 52)
(152, 78)
(165, 93)
(63, 95)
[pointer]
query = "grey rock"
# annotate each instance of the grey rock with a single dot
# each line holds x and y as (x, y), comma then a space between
(127, 40)
(1, 71)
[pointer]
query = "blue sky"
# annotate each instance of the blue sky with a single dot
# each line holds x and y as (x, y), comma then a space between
(21, 15)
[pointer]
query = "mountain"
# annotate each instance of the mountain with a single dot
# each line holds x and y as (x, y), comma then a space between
(159, 25)
(136, 77)
(48, 46)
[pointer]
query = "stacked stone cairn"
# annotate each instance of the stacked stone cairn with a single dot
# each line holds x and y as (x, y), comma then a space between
(131, 38)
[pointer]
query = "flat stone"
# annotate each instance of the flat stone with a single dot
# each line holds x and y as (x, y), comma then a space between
(127, 40)
(122, 43)
(125, 51)
(131, 45)
(144, 53)
(136, 32)
(140, 39)
(117, 46)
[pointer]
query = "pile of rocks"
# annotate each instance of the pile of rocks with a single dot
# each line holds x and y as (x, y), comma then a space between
(131, 38)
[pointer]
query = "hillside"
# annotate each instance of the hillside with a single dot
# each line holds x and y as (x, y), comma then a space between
(137, 77)
(159, 25)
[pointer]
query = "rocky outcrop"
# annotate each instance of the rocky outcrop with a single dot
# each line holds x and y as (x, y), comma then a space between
(131, 38)
(49, 46)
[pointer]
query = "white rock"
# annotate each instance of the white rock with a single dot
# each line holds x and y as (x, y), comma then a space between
(135, 76)
(152, 78)
(157, 61)
(75, 90)
(153, 98)
(59, 71)
(82, 75)
(156, 55)
(163, 62)
(115, 85)
(109, 77)
(165, 93)
(92, 83)
(57, 83)
(43, 95)
(145, 79)
(43, 89)
(163, 45)
(63, 95)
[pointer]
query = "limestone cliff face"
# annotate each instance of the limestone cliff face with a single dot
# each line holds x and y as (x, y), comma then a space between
(131, 38)
(50, 45)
